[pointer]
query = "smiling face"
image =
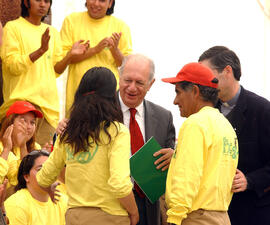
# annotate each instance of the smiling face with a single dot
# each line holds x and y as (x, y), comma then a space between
(97, 8)
(38, 8)
(26, 124)
(134, 82)
(185, 99)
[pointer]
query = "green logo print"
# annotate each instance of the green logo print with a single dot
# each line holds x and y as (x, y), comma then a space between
(229, 148)
(81, 157)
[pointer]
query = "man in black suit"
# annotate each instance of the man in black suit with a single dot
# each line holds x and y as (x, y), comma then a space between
(249, 114)
(136, 79)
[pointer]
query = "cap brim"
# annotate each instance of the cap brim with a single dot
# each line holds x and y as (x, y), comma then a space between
(37, 113)
(171, 80)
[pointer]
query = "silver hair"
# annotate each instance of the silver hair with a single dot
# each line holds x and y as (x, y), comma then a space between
(139, 56)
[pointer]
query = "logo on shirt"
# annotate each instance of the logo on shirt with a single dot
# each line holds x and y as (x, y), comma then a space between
(229, 148)
(81, 157)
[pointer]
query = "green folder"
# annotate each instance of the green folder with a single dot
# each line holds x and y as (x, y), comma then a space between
(144, 172)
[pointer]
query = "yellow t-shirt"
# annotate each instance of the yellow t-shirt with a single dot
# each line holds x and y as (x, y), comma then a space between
(25, 80)
(80, 26)
(96, 178)
(23, 209)
(202, 169)
(9, 168)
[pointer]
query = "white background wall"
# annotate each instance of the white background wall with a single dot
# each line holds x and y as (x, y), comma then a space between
(175, 32)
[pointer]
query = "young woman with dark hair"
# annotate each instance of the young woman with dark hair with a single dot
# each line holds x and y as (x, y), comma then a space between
(32, 205)
(25, 5)
(109, 37)
(31, 54)
(95, 147)
(17, 138)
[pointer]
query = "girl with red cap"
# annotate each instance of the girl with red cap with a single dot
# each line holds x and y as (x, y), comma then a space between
(17, 138)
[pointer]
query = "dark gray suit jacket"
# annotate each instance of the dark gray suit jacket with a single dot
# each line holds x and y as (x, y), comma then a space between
(158, 123)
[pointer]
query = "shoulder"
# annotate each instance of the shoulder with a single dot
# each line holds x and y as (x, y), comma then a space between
(14, 23)
(254, 98)
(19, 199)
(254, 104)
(156, 108)
(117, 21)
(37, 146)
(76, 15)
(116, 128)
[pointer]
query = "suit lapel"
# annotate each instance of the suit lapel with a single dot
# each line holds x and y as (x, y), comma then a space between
(150, 121)
(237, 116)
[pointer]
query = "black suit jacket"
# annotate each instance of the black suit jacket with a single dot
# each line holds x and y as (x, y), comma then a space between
(251, 121)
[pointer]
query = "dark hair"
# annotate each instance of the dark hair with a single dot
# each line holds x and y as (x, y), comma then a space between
(94, 108)
(208, 94)
(26, 165)
(220, 57)
(24, 9)
(109, 10)
(7, 121)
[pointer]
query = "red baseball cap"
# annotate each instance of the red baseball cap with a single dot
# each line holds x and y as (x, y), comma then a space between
(21, 107)
(195, 73)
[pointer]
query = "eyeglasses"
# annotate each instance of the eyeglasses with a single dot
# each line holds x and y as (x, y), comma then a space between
(35, 152)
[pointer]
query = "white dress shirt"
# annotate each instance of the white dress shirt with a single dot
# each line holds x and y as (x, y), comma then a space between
(139, 116)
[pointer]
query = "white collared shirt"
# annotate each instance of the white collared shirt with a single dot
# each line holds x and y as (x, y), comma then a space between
(139, 116)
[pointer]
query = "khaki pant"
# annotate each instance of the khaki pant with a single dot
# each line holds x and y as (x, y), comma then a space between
(206, 217)
(163, 210)
(93, 216)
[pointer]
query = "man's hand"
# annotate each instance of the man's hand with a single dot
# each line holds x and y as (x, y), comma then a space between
(239, 182)
(164, 161)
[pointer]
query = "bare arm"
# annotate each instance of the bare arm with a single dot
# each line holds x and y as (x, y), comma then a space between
(43, 48)
(91, 51)
(78, 50)
(129, 204)
(116, 53)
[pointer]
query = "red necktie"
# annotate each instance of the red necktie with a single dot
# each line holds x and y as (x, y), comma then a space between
(136, 140)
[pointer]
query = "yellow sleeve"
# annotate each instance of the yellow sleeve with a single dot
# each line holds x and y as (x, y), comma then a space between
(125, 44)
(9, 168)
(53, 166)
(67, 35)
(186, 172)
(118, 155)
(57, 48)
(16, 214)
(3, 169)
(11, 51)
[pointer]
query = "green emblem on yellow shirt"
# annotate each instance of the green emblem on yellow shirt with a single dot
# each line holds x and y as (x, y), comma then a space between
(81, 157)
(230, 148)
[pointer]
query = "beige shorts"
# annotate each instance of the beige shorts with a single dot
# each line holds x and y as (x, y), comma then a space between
(207, 217)
(93, 216)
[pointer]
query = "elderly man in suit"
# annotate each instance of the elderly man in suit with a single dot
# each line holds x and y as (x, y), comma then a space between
(249, 114)
(136, 79)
